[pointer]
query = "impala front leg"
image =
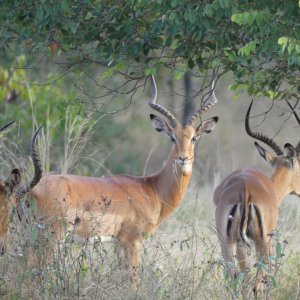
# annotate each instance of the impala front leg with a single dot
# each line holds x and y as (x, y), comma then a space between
(129, 239)
(3, 229)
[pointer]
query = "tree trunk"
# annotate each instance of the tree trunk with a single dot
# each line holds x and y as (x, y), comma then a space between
(189, 105)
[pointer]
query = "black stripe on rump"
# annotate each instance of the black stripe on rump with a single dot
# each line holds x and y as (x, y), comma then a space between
(250, 218)
(259, 219)
(230, 218)
(243, 209)
(242, 220)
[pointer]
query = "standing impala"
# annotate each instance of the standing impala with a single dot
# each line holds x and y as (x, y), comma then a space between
(6, 189)
(122, 206)
(247, 201)
(10, 185)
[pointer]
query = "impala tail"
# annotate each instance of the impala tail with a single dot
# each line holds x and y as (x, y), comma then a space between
(245, 220)
(246, 213)
(239, 222)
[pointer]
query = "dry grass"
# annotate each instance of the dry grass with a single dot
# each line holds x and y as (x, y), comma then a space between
(180, 261)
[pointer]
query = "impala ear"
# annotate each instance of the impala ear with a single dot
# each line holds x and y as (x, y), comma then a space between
(266, 155)
(290, 150)
(15, 177)
(207, 126)
(13, 180)
(161, 125)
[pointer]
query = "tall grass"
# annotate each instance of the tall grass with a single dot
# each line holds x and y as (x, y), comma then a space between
(180, 261)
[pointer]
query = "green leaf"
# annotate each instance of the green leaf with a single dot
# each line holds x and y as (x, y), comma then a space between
(64, 5)
(110, 71)
(216, 62)
(247, 49)
(209, 10)
(248, 18)
(259, 18)
(174, 3)
(251, 18)
(273, 281)
(40, 13)
(88, 16)
(73, 26)
(261, 266)
(225, 3)
(290, 48)
(178, 74)
(278, 250)
(238, 18)
(282, 41)
(150, 71)
(34, 234)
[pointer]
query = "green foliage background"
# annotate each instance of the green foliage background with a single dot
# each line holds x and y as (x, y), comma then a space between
(257, 40)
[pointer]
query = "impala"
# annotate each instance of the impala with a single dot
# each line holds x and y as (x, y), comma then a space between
(125, 207)
(10, 188)
(6, 189)
(247, 202)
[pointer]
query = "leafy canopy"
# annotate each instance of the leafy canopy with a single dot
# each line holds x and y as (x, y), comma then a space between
(259, 41)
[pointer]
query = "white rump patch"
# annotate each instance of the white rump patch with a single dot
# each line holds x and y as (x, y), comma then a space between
(102, 239)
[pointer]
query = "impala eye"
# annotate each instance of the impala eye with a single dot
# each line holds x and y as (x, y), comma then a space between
(194, 139)
(173, 140)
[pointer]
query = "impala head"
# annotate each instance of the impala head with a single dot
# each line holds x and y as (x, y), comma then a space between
(183, 138)
(8, 186)
(289, 160)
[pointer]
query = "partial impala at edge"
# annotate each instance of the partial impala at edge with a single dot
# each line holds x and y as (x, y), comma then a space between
(7, 189)
(247, 202)
(122, 206)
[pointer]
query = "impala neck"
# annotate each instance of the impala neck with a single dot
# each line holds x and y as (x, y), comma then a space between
(281, 179)
(171, 185)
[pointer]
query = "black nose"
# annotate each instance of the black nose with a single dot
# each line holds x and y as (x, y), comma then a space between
(183, 158)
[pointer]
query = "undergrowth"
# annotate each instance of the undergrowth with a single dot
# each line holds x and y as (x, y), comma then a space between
(181, 260)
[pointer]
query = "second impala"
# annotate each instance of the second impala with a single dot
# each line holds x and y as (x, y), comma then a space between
(247, 202)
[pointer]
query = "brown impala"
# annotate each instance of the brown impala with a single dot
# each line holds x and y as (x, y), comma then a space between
(122, 206)
(247, 202)
(6, 189)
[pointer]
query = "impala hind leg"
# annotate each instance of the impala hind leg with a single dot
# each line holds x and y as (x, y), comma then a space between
(227, 253)
(241, 256)
(263, 247)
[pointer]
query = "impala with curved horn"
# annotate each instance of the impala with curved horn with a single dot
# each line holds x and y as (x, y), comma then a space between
(247, 202)
(122, 206)
(7, 189)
